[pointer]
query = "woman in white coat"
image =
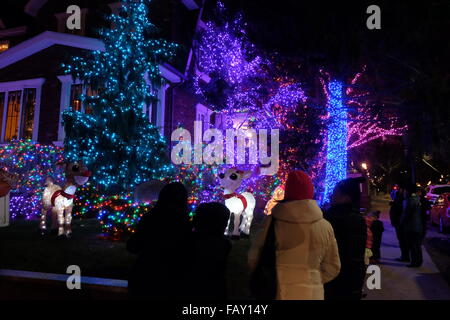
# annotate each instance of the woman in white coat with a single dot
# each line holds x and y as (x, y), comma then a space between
(306, 254)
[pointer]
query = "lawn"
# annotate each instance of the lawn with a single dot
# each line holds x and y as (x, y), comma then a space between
(22, 247)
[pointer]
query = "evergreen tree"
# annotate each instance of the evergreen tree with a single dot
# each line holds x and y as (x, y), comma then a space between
(114, 138)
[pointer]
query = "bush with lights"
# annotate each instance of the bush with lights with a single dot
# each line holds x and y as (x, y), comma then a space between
(33, 163)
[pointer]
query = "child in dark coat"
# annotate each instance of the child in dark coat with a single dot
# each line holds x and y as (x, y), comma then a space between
(210, 252)
(377, 229)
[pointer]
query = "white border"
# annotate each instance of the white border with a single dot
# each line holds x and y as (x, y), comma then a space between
(19, 86)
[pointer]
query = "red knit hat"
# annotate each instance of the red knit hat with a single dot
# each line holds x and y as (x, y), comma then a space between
(298, 186)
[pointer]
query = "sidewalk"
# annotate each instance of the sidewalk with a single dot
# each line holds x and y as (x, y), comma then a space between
(399, 282)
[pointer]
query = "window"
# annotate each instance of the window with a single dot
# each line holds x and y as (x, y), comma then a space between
(2, 108)
(76, 92)
(440, 190)
(29, 104)
(90, 93)
(4, 45)
(75, 97)
(19, 109)
(203, 114)
(12, 115)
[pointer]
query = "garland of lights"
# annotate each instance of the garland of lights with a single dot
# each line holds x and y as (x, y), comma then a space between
(33, 163)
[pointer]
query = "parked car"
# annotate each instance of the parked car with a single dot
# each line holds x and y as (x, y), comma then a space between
(433, 192)
(440, 212)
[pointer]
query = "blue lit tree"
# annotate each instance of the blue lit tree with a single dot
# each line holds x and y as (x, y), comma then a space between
(115, 139)
(337, 131)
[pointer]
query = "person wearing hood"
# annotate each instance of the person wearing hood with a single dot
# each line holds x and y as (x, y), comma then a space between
(351, 234)
(306, 253)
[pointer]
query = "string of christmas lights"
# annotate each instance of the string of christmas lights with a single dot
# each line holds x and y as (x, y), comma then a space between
(33, 163)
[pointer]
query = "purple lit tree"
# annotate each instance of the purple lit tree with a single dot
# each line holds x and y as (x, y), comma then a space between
(234, 78)
(368, 119)
(244, 85)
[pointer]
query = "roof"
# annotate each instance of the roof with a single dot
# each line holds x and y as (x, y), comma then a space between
(50, 38)
(12, 13)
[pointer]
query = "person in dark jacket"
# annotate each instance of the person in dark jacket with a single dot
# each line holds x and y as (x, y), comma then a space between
(162, 242)
(425, 206)
(351, 234)
(210, 252)
(411, 223)
(395, 213)
(377, 229)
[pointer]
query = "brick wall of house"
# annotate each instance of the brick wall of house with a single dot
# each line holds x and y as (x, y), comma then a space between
(44, 64)
(184, 103)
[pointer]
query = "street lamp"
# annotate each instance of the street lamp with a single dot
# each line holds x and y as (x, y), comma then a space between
(364, 165)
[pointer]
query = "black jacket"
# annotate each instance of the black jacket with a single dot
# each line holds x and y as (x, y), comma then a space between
(164, 253)
(396, 209)
(208, 271)
(350, 231)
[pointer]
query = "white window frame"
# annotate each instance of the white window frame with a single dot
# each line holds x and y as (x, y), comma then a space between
(20, 85)
(161, 104)
(64, 103)
(202, 110)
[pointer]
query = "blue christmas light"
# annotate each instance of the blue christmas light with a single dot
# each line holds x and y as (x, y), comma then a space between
(336, 161)
(116, 140)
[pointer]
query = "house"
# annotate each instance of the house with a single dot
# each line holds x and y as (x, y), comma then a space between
(34, 91)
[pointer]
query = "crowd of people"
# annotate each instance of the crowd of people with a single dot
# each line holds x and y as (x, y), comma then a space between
(302, 252)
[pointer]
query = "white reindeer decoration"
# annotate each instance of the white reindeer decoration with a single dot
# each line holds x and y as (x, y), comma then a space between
(240, 205)
(60, 199)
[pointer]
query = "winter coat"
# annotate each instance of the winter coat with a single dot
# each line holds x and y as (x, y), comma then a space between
(350, 230)
(306, 250)
(164, 250)
(411, 219)
(396, 209)
(369, 241)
